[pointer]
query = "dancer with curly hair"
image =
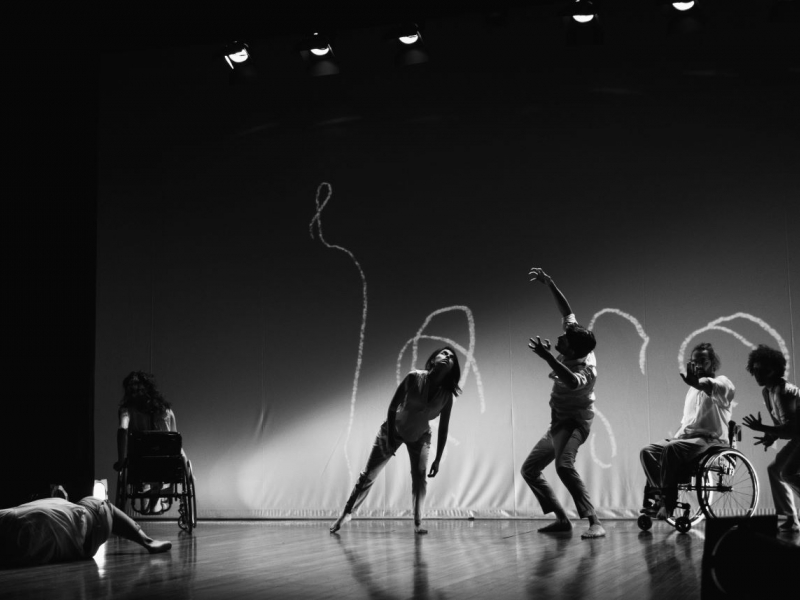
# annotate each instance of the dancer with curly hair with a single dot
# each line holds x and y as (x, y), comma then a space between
(782, 400)
(143, 408)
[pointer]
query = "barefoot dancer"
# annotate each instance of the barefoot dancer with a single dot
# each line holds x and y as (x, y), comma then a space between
(56, 530)
(571, 404)
(782, 398)
(421, 397)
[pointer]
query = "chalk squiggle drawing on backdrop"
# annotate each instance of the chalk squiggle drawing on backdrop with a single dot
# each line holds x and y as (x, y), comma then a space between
(318, 220)
(469, 353)
(715, 326)
(639, 330)
(642, 367)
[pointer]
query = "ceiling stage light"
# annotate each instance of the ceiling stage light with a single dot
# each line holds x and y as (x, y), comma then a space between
(584, 11)
(236, 53)
(317, 52)
(683, 6)
(410, 46)
(582, 22)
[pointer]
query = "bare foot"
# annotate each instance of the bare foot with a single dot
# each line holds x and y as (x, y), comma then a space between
(557, 526)
(790, 525)
(157, 546)
(419, 529)
(594, 531)
(662, 513)
(343, 518)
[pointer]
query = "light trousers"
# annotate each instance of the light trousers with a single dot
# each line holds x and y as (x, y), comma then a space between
(382, 451)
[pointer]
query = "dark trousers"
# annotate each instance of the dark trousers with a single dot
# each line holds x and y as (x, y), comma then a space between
(662, 463)
(784, 477)
(560, 443)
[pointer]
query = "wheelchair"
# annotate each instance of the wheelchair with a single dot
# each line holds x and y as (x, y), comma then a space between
(156, 474)
(721, 482)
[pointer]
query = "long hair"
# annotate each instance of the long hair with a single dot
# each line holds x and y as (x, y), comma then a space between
(768, 358)
(453, 377)
(142, 395)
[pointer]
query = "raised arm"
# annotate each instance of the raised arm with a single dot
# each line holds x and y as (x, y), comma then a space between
(564, 373)
(704, 384)
(537, 274)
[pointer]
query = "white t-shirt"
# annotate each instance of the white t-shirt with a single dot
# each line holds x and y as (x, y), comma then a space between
(707, 415)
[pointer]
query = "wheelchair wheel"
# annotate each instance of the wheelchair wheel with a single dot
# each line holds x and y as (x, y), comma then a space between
(187, 519)
(644, 522)
(693, 514)
(683, 524)
(727, 485)
(192, 498)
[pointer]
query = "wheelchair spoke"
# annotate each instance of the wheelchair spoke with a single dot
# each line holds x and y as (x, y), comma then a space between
(728, 485)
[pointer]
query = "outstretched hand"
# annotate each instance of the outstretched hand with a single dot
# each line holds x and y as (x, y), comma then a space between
(753, 423)
(691, 378)
(767, 441)
(537, 274)
(540, 348)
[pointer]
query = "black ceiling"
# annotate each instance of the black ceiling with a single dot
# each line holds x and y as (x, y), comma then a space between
(120, 26)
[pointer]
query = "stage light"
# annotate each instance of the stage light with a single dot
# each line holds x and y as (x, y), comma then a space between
(236, 53)
(582, 21)
(583, 11)
(100, 490)
(318, 54)
(683, 6)
(411, 48)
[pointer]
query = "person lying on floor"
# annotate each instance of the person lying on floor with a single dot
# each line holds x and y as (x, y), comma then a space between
(52, 530)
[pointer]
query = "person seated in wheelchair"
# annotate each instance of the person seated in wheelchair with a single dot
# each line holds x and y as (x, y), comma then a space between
(782, 399)
(144, 408)
(706, 412)
(50, 530)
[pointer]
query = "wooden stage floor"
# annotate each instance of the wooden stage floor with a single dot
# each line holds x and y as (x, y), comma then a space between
(381, 559)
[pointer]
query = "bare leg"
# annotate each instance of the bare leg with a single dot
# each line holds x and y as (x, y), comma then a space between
(791, 524)
(343, 518)
(381, 452)
(123, 526)
(418, 456)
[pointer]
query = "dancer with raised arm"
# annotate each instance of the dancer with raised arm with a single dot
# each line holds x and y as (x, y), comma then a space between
(707, 410)
(421, 397)
(782, 399)
(573, 372)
